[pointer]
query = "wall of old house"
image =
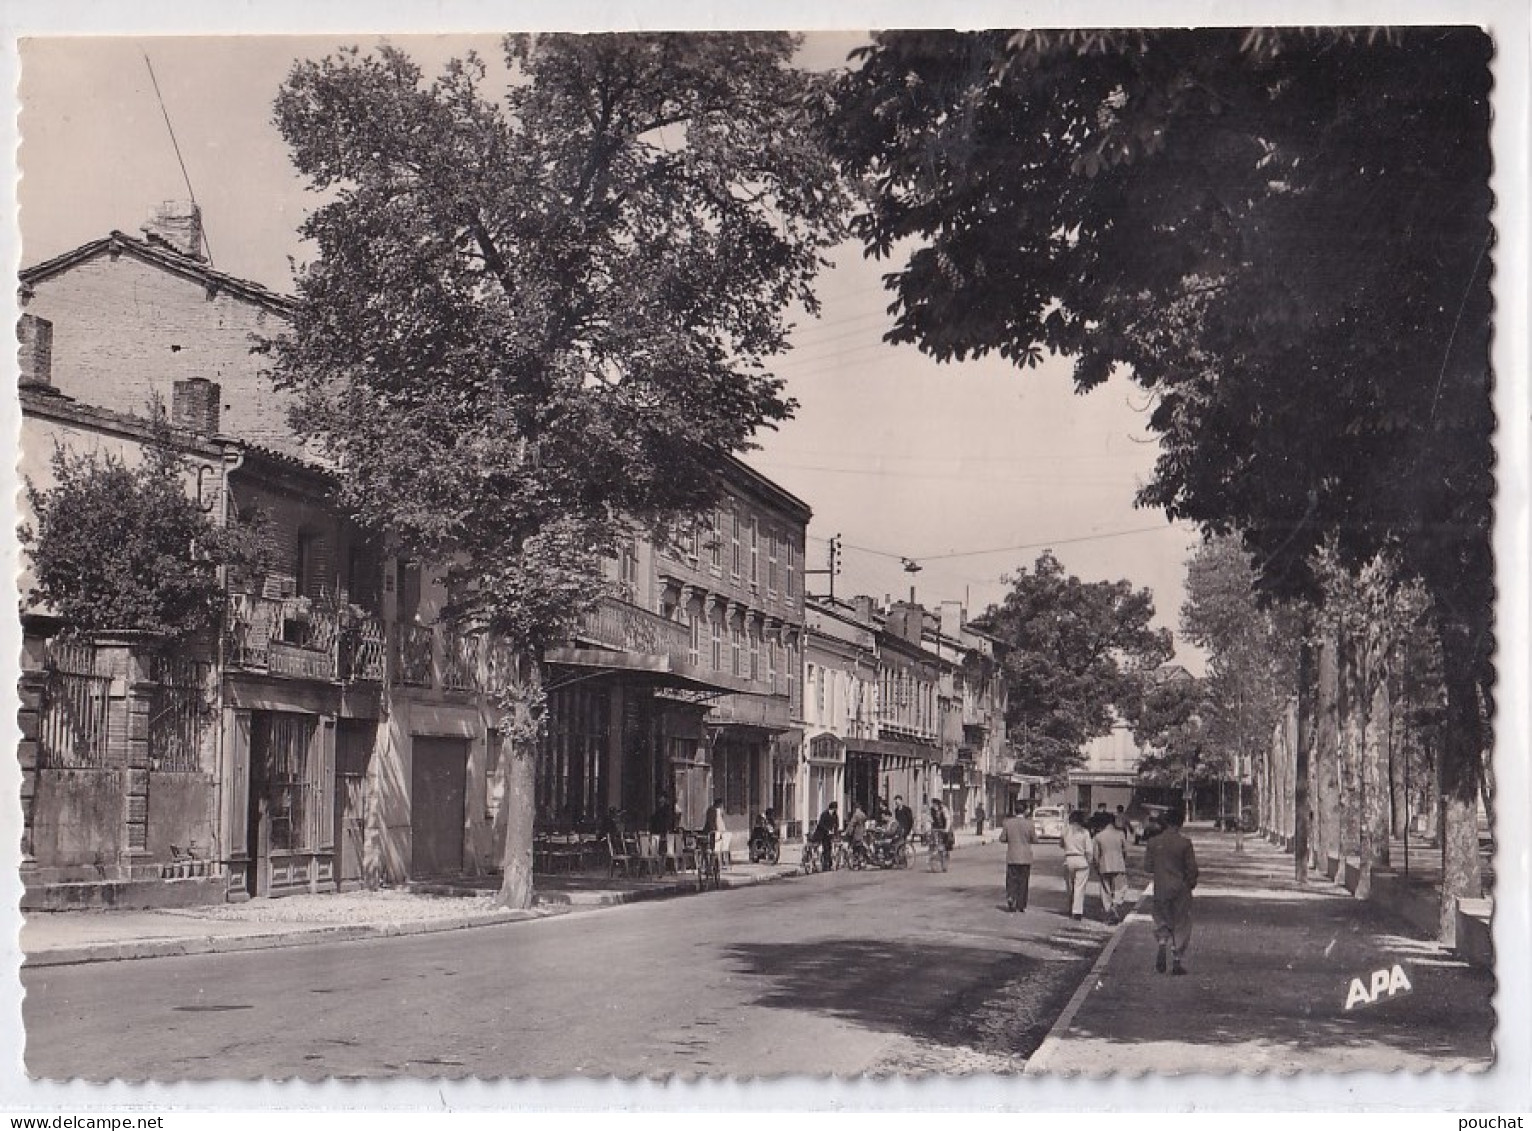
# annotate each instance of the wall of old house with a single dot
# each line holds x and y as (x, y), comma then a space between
(126, 330)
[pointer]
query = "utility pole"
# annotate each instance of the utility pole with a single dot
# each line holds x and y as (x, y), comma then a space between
(832, 564)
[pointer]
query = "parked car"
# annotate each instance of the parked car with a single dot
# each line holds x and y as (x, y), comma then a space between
(1048, 822)
(1153, 822)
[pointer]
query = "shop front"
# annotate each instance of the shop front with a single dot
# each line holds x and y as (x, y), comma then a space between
(826, 767)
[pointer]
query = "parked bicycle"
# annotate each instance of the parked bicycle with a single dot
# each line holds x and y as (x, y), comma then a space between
(709, 862)
(816, 858)
(937, 849)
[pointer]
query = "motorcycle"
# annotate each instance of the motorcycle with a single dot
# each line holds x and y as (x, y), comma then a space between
(890, 850)
(765, 842)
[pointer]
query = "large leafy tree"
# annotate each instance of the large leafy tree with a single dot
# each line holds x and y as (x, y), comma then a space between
(124, 547)
(1251, 646)
(1077, 654)
(536, 318)
(1284, 236)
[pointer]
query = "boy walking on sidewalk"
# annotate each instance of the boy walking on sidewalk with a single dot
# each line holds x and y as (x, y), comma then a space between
(1172, 862)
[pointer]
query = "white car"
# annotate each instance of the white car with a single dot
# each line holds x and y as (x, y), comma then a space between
(1048, 822)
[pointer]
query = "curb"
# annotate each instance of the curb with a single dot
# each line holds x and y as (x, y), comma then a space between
(1037, 1063)
(313, 936)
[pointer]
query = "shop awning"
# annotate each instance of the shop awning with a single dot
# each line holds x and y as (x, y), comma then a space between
(885, 749)
(654, 670)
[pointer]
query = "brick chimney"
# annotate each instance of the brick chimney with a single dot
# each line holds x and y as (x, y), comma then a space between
(177, 225)
(864, 609)
(194, 405)
(36, 354)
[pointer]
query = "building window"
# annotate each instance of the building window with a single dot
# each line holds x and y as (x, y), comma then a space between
(715, 543)
(755, 656)
(771, 664)
(734, 561)
(792, 679)
(771, 562)
(737, 648)
(627, 571)
(696, 637)
(819, 692)
(755, 552)
(790, 590)
(717, 644)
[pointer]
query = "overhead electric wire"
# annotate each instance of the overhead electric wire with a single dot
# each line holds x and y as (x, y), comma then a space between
(922, 558)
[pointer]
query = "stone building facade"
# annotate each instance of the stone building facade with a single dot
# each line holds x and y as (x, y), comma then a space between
(340, 733)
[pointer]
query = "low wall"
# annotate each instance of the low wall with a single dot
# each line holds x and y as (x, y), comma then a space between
(78, 827)
(180, 816)
(122, 895)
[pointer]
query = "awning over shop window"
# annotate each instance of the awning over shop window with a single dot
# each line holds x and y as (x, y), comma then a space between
(885, 749)
(657, 671)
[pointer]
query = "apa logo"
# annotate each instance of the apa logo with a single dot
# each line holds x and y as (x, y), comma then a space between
(1383, 985)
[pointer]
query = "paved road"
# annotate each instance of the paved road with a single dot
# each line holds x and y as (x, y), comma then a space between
(845, 973)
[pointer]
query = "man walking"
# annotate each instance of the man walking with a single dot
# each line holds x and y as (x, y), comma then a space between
(905, 816)
(1018, 836)
(1172, 862)
(1077, 856)
(824, 833)
(979, 820)
(1111, 849)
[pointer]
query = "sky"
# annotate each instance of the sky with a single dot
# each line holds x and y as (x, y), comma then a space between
(968, 470)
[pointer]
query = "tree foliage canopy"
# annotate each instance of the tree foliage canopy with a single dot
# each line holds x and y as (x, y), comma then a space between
(119, 547)
(536, 318)
(1077, 652)
(1284, 236)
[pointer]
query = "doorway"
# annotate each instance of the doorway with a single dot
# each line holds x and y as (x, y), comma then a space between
(438, 805)
(282, 792)
(353, 755)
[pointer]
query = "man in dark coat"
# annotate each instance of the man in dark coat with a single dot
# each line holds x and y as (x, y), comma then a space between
(824, 833)
(1172, 862)
(905, 816)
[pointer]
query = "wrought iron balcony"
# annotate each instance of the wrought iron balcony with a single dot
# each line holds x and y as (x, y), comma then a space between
(302, 638)
(623, 627)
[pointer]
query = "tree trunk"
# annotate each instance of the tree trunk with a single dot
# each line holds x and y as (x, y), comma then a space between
(1398, 763)
(1350, 708)
(1327, 757)
(521, 701)
(1301, 762)
(1458, 771)
(1375, 814)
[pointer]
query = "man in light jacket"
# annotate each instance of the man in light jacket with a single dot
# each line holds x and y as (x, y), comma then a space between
(1018, 835)
(1111, 849)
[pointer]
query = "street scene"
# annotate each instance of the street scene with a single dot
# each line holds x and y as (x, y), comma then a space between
(749, 555)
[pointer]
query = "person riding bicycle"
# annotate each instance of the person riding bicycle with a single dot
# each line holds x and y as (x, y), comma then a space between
(825, 832)
(940, 825)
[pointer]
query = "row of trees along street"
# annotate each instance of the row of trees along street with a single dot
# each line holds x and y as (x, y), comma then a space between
(1284, 237)
(547, 290)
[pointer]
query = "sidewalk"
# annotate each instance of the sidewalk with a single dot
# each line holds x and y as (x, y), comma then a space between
(57, 938)
(60, 938)
(1270, 966)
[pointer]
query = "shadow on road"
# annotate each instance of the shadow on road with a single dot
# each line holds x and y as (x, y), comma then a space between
(933, 991)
